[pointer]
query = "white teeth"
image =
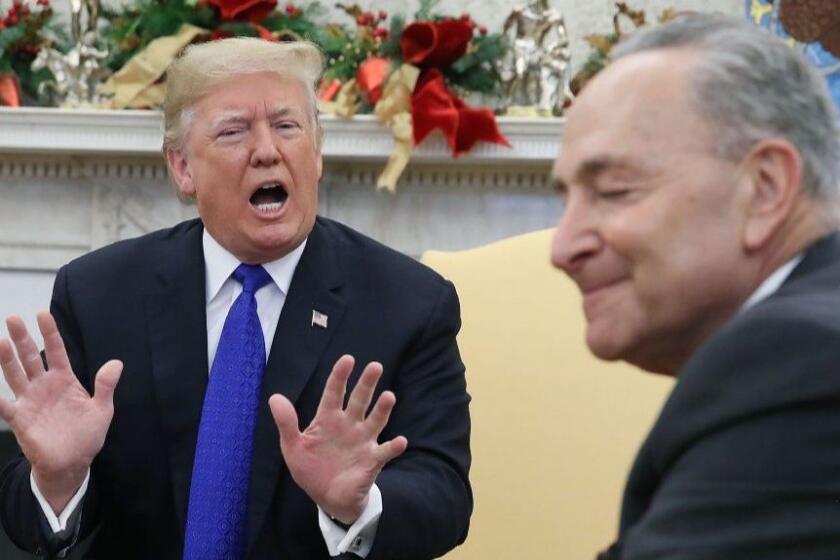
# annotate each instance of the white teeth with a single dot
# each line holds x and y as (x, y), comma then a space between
(269, 206)
(269, 186)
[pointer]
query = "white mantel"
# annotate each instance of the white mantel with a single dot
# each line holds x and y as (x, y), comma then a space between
(138, 133)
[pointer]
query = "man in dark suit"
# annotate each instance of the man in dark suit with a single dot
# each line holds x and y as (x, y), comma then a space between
(700, 176)
(154, 453)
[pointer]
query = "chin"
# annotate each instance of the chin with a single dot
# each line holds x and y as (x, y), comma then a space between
(603, 347)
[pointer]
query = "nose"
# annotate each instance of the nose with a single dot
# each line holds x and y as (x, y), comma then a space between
(265, 150)
(576, 239)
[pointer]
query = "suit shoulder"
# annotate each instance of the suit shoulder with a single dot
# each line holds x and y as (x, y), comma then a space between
(356, 249)
(781, 323)
(133, 255)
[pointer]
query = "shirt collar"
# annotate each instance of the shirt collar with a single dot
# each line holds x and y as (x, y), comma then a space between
(772, 282)
(219, 264)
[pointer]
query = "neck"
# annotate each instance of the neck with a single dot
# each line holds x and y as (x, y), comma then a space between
(808, 221)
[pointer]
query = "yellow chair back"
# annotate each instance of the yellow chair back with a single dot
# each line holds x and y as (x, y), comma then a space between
(554, 429)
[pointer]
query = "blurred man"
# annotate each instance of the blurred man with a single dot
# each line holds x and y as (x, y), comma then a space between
(700, 174)
(203, 326)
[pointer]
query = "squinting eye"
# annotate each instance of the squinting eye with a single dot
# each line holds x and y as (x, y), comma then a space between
(614, 194)
(229, 132)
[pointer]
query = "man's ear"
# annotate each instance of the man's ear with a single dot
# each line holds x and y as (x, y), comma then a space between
(179, 170)
(774, 171)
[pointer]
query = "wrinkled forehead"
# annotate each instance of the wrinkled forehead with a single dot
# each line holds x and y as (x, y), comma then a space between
(640, 107)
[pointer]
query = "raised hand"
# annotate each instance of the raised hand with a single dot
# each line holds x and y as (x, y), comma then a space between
(336, 459)
(60, 428)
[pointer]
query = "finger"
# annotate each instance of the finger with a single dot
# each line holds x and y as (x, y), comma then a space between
(333, 396)
(27, 351)
(53, 343)
(286, 419)
(381, 413)
(363, 391)
(106, 382)
(390, 450)
(12, 369)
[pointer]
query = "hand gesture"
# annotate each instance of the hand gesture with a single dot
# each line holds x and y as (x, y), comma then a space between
(336, 459)
(60, 428)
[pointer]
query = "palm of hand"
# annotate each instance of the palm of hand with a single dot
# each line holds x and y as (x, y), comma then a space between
(59, 426)
(337, 458)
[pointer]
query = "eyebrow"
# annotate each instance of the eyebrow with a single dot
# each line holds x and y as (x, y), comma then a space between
(281, 110)
(236, 117)
(589, 171)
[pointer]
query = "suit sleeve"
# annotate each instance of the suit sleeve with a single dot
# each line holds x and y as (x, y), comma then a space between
(745, 455)
(427, 499)
(20, 512)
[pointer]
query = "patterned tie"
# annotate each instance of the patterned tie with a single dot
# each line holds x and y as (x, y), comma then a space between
(218, 507)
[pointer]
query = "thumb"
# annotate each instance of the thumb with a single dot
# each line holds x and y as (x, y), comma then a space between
(106, 381)
(285, 417)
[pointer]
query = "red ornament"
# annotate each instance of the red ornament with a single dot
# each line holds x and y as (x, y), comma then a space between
(370, 76)
(9, 91)
(265, 34)
(328, 90)
(250, 10)
(435, 43)
(217, 34)
(291, 9)
(433, 106)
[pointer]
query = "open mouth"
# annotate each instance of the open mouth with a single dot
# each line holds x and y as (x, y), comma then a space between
(269, 197)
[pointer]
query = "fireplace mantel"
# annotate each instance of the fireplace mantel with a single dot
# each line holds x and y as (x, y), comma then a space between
(138, 133)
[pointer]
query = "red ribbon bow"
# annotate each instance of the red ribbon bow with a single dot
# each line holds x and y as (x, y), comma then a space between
(251, 10)
(435, 43)
(433, 106)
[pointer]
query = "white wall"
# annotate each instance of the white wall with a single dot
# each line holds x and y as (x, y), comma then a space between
(23, 293)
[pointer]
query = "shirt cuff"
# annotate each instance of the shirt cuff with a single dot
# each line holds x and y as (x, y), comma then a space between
(59, 523)
(358, 538)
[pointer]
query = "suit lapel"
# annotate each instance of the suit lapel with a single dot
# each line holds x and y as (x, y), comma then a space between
(295, 352)
(176, 318)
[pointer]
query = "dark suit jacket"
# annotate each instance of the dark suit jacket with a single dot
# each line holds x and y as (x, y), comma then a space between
(143, 301)
(744, 460)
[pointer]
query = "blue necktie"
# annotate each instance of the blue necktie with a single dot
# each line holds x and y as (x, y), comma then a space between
(218, 507)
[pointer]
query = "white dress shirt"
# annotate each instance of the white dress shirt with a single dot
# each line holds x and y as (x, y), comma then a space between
(221, 291)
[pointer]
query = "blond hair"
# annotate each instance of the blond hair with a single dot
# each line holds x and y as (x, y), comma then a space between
(202, 67)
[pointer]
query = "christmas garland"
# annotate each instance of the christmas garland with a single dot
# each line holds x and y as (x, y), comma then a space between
(602, 44)
(413, 75)
(23, 32)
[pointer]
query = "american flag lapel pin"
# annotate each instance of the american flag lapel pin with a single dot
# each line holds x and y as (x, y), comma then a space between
(319, 319)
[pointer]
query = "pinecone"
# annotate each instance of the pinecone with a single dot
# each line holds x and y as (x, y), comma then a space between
(807, 20)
